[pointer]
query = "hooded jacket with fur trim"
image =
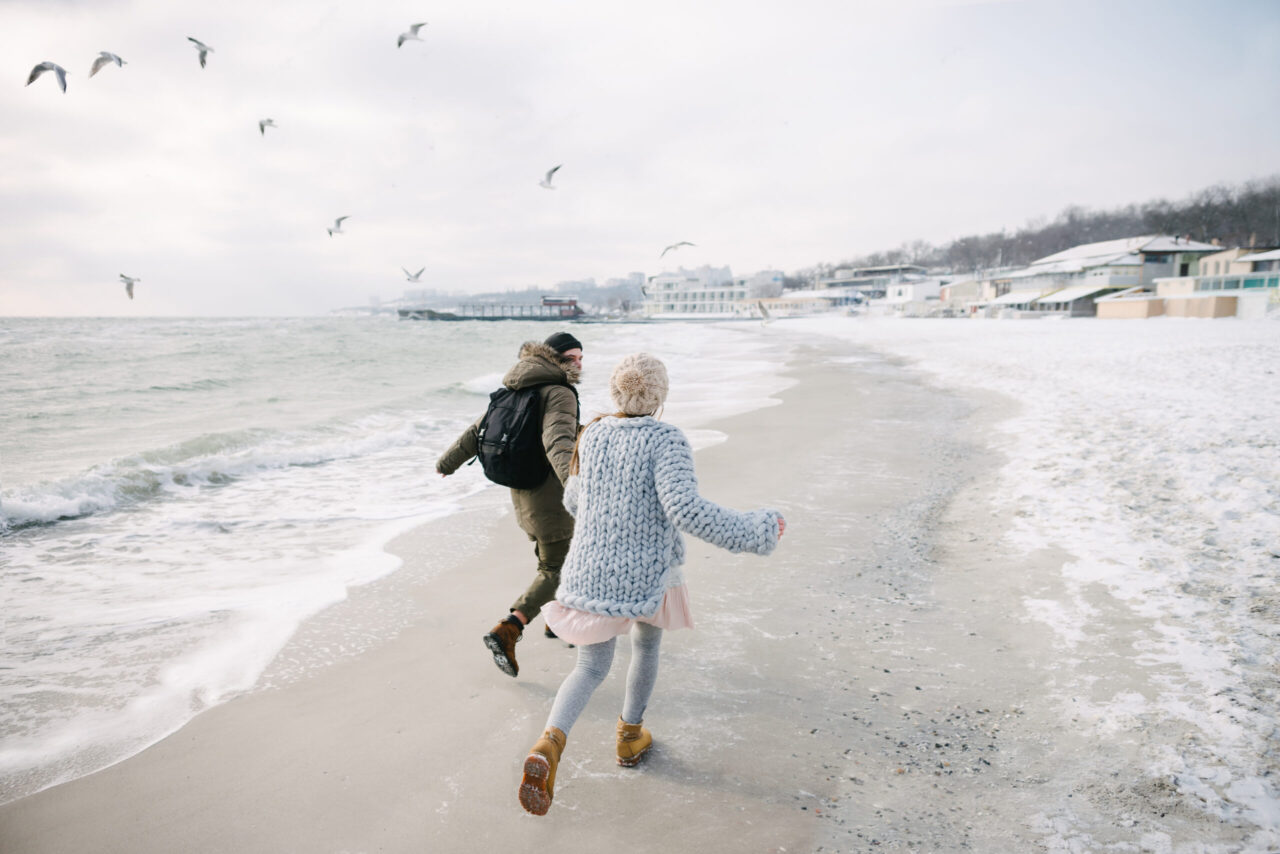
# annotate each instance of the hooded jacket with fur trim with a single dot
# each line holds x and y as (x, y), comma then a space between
(539, 511)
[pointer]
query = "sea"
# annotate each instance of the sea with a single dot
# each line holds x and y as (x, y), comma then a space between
(178, 497)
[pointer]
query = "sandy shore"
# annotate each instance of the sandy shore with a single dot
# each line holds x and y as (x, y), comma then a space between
(865, 688)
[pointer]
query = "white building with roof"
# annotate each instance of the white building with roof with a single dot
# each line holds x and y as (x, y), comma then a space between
(911, 295)
(869, 282)
(706, 293)
(766, 283)
(1261, 262)
(1067, 282)
(1231, 283)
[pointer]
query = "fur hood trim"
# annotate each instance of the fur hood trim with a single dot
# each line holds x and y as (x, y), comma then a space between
(540, 363)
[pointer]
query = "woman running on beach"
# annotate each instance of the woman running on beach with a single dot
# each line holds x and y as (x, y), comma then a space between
(632, 490)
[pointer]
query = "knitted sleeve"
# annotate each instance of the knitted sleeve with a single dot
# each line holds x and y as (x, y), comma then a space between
(571, 495)
(738, 531)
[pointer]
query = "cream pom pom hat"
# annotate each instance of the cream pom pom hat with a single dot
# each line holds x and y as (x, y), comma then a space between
(638, 385)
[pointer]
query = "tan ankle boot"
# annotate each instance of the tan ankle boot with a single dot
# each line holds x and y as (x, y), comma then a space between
(537, 787)
(634, 742)
(501, 641)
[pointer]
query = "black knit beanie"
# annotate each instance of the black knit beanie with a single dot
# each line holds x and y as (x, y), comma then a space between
(562, 341)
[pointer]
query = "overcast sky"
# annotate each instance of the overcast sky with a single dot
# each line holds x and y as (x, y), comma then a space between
(771, 134)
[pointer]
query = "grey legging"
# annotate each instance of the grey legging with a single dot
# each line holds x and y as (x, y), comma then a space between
(594, 661)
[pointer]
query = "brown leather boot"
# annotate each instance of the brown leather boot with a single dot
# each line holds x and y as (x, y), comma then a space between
(501, 641)
(634, 742)
(537, 787)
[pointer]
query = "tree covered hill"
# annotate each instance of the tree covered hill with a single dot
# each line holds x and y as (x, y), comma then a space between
(1244, 215)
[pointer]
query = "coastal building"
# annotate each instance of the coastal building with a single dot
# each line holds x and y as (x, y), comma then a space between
(868, 282)
(911, 295)
(1262, 262)
(961, 290)
(703, 293)
(1226, 262)
(631, 280)
(766, 283)
(800, 303)
(915, 289)
(1069, 282)
(1232, 283)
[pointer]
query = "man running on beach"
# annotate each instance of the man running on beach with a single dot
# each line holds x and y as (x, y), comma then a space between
(555, 366)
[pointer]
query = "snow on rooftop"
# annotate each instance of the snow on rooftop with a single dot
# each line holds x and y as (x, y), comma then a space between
(1126, 246)
(1075, 265)
(1072, 293)
(1015, 298)
(1273, 255)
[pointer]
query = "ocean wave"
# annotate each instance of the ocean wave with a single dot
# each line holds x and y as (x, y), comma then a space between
(207, 461)
(481, 385)
(194, 385)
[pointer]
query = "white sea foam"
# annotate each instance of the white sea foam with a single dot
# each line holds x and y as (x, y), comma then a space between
(1150, 452)
(208, 461)
(482, 384)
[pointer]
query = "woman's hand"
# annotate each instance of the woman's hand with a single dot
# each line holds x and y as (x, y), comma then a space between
(782, 526)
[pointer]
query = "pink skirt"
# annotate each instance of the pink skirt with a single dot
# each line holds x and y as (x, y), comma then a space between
(582, 627)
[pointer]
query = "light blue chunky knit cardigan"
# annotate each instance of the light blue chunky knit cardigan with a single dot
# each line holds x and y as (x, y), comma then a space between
(634, 492)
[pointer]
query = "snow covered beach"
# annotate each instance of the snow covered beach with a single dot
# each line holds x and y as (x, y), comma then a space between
(1149, 454)
(994, 626)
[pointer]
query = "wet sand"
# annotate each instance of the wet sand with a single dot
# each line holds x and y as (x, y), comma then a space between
(868, 687)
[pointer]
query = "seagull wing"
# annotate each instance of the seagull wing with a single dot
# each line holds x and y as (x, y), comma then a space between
(553, 170)
(37, 71)
(338, 221)
(128, 288)
(103, 59)
(419, 273)
(413, 28)
(62, 76)
(204, 49)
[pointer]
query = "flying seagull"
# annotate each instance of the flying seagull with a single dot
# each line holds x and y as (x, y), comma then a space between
(104, 58)
(57, 69)
(263, 124)
(337, 226)
(676, 246)
(765, 317)
(413, 277)
(412, 35)
(546, 182)
(129, 282)
(204, 49)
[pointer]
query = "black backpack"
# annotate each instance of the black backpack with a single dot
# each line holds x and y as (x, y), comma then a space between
(511, 451)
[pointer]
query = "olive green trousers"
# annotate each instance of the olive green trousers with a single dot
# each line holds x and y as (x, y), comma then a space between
(551, 557)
